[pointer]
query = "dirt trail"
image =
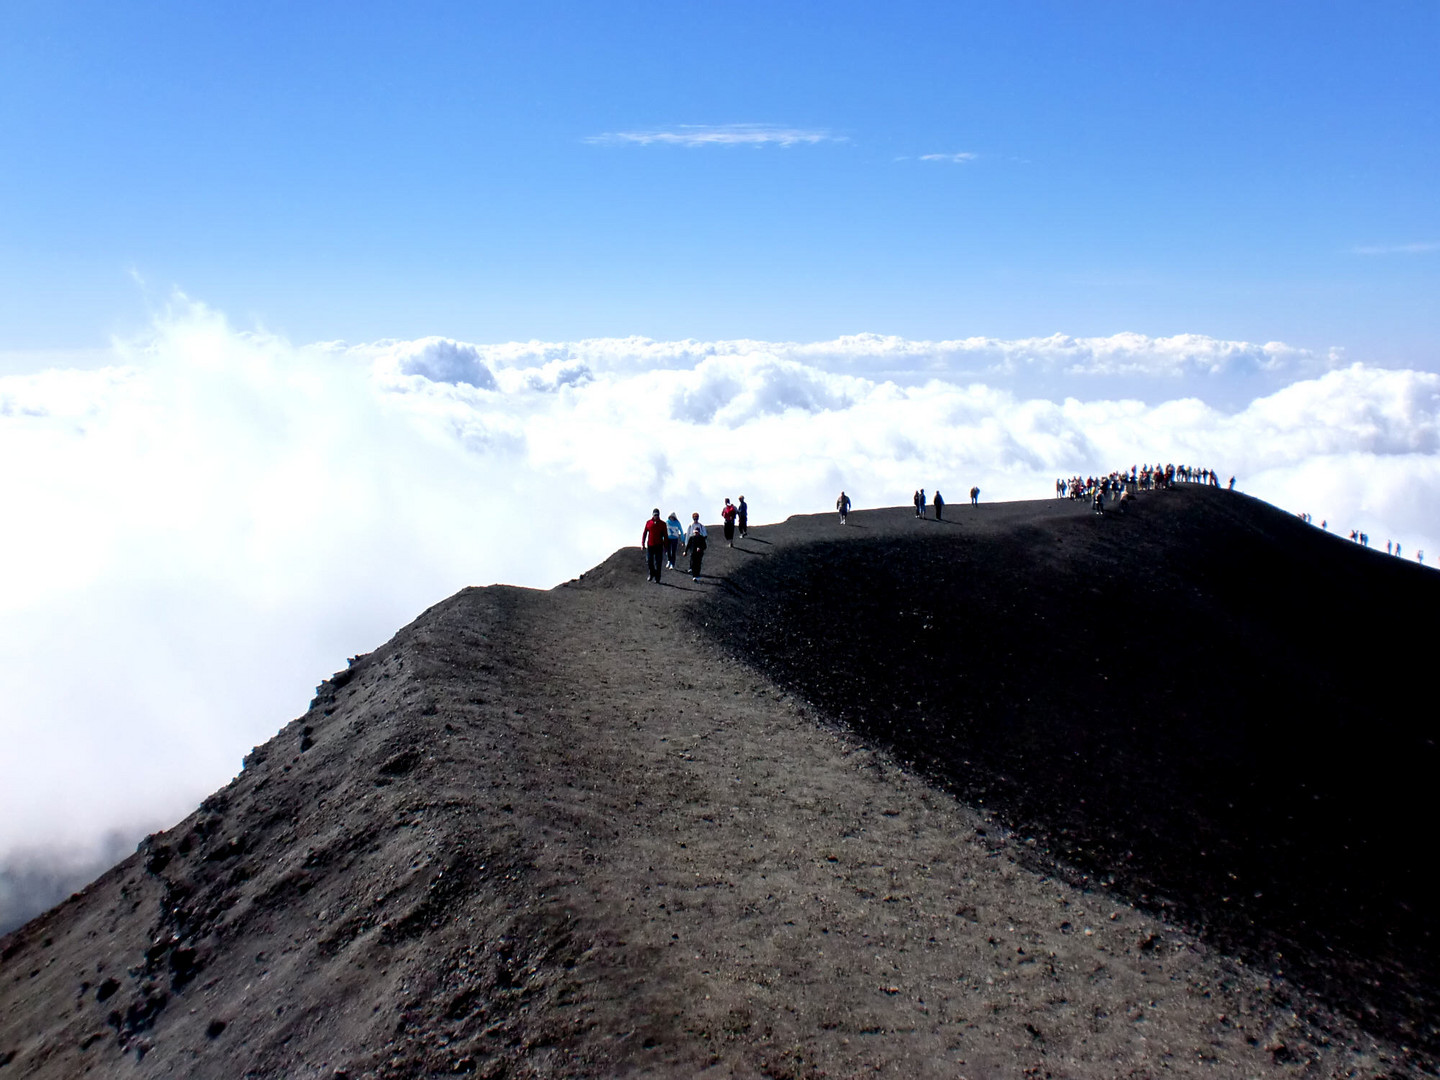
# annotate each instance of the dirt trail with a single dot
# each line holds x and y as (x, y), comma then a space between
(564, 834)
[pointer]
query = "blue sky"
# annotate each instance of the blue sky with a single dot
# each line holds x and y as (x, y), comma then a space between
(1250, 171)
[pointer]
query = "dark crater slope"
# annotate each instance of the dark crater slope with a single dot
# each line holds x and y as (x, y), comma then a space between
(1213, 705)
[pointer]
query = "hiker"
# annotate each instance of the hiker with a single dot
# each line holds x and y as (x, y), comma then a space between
(922, 502)
(695, 544)
(843, 505)
(652, 539)
(975, 496)
(727, 515)
(939, 506)
(674, 534)
(916, 501)
(1231, 486)
(742, 518)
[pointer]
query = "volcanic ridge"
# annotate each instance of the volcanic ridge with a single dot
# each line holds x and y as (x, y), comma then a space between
(1029, 792)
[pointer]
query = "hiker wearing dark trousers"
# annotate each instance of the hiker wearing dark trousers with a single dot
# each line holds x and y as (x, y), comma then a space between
(939, 506)
(695, 544)
(674, 536)
(652, 539)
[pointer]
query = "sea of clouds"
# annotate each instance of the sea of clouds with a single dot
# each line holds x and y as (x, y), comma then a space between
(204, 526)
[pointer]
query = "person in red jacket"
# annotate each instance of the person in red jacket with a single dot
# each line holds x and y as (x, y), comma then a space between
(727, 515)
(652, 539)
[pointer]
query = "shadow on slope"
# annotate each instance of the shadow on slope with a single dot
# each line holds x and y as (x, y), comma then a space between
(1207, 703)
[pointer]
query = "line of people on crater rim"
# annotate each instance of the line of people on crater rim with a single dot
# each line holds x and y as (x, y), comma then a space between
(663, 540)
(1392, 547)
(922, 504)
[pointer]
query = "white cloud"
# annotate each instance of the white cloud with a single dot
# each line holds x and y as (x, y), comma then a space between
(954, 159)
(215, 504)
(1125, 355)
(440, 360)
(1420, 248)
(718, 135)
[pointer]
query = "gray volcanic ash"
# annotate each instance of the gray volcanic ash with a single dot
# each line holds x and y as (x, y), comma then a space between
(565, 833)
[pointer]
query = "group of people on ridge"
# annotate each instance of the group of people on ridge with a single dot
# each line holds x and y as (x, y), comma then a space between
(662, 540)
(1137, 477)
(1392, 547)
(938, 502)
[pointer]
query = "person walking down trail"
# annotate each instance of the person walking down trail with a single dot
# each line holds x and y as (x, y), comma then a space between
(728, 515)
(652, 539)
(674, 535)
(843, 505)
(939, 506)
(974, 496)
(742, 517)
(695, 544)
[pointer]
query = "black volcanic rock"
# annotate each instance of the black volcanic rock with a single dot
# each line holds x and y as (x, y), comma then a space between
(566, 833)
(1207, 703)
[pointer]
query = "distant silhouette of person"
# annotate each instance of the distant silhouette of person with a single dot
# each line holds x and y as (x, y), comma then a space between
(922, 502)
(1397, 547)
(842, 504)
(939, 506)
(695, 537)
(917, 503)
(1420, 556)
(1098, 502)
(742, 517)
(1388, 546)
(974, 496)
(1231, 485)
(674, 535)
(652, 539)
(727, 518)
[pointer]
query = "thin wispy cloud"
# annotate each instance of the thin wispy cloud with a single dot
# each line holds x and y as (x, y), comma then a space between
(1396, 249)
(954, 159)
(718, 135)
